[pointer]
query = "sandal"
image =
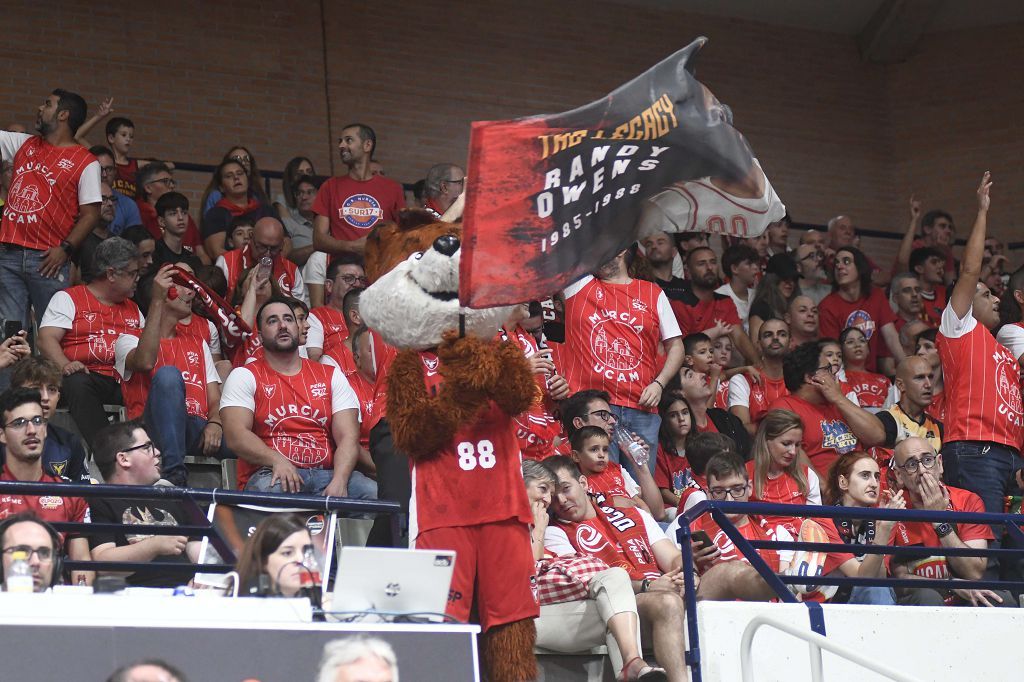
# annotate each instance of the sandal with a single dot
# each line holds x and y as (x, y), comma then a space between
(638, 669)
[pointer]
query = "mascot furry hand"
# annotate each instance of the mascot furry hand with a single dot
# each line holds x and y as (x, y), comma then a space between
(452, 393)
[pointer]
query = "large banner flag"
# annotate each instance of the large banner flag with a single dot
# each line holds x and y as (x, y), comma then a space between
(549, 198)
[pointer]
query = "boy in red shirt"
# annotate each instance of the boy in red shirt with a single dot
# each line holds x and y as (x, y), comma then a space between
(590, 451)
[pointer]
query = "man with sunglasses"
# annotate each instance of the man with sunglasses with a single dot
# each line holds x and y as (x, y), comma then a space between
(125, 455)
(918, 470)
(23, 433)
(267, 240)
(327, 325)
(80, 327)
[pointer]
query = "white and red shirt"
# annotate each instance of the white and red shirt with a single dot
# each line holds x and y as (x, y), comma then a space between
(826, 435)
(327, 328)
(756, 528)
(291, 414)
(200, 328)
(612, 482)
(476, 479)
(868, 314)
(982, 383)
(342, 358)
(872, 390)
(48, 184)
(783, 489)
(186, 353)
(49, 508)
(756, 397)
(612, 332)
(536, 428)
(1012, 336)
(354, 206)
(92, 327)
(284, 272)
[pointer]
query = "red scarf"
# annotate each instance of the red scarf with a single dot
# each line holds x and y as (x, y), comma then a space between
(235, 210)
(233, 328)
(617, 536)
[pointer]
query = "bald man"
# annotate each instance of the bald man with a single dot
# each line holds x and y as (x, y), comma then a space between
(907, 418)
(802, 318)
(918, 470)
(267, 241)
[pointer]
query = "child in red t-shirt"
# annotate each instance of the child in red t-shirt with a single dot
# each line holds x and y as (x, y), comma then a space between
(590, 450)
(721, 353)
(672, 471)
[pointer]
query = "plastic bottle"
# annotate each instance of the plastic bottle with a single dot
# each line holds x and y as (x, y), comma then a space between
(636, 451)
(18, 576)
(311, 580)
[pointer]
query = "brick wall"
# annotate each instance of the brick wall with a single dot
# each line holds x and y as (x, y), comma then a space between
(834, 134)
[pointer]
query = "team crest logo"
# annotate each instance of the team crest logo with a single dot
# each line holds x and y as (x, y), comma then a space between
(28, 194)
(599, 295)
(611, 343)
(430, 364)
(862, 321)
(318, 390)
(1007, 385)
(590, 540)
(336, 328)
(836, 435)
(58, 468)
(192, 406)
(89, 316)
(51, 502)
(302, 449)
(269, 389)
(101, 348)
(361, 210)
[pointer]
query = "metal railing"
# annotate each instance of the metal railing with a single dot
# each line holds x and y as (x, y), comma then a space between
(718, 510)
(189, 500)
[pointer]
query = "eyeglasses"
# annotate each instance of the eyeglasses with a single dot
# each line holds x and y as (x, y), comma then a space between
(22, 422)
(133, 274)
(108, 169)
(456, 182)
(169, 183)
(735, 492)
(912, 465)
(352, 279)
(108, 198)
(44, 553)
(603, 415)
(813, 255)
(146, 448)
(826, 368)
(263, 248)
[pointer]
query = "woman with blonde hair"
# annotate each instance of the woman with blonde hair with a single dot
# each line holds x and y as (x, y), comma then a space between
(779, 470)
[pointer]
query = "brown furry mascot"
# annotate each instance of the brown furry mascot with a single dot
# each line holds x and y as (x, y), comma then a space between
(452, 393)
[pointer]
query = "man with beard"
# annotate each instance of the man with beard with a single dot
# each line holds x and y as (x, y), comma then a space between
(661, 254)
(905, 299)
(813, 281)
(748, 399)
(701, 309)
(282, 413)
(613, 327)
(53, 203)
(99, 233)
(802, 318)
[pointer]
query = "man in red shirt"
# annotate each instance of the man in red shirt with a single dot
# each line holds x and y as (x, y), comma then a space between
(327, 325)
(833, 424)
(929, 264)
(293, 423)
(170, 380)
(748, 399)
(267, 240)
(445, 182)
(984, 422)
(701, 309)
(347, 207)
(613, 326)
(918, 470)
(23, 433)
(858, 303)
(53, 203)
(80, 327)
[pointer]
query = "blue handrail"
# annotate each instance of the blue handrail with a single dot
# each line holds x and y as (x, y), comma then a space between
(748, 548)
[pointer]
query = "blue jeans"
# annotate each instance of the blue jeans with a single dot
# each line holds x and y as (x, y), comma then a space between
(314, 482)
(21, 283)
(873, 595)
(173, 430)
(644, 424)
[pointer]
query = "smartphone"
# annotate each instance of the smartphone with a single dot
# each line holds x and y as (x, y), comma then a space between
(11, 328)
(701, 537)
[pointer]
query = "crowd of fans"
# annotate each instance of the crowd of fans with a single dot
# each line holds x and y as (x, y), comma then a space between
(778, 368)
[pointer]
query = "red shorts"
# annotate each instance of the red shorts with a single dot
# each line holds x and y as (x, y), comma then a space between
(494, 562)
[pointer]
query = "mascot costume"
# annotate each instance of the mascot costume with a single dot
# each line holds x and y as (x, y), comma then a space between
(452, 395)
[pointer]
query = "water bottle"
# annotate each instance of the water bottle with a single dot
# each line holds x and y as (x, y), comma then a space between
(311, 580)
(636, 451)
(18, 576)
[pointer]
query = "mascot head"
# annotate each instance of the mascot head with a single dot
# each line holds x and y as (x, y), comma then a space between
(414, 297)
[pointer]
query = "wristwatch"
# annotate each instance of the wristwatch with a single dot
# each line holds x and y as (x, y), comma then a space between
(943, 529)
(67, 246)
(645, 584)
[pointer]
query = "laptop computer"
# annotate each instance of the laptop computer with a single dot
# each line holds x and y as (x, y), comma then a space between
(392, 583)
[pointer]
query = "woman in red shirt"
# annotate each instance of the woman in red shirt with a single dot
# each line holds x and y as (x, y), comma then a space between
(672, 472)
(780, 470)
(872, 389)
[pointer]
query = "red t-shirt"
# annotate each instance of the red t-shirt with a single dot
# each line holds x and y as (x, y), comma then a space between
(907, 533)
(869, 314)
(610, 482)
(612, 334)
(722, 394)
(46, 191)
(756, 528)
(192, 238)
(782, 490)
(186, 353)
(476, 479)
(536, 428)
(670, 470)
(931, 308)
(91, 327)
(327, 329)
(383, 356)
(291, 414)
(981, 379)
(826, 435)
(695, 315)
(284, 272)
(756, 397)
(49, 508)
(362, 387)
(871, 389)
(200, 328)
(354, 206)
(125, 181)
